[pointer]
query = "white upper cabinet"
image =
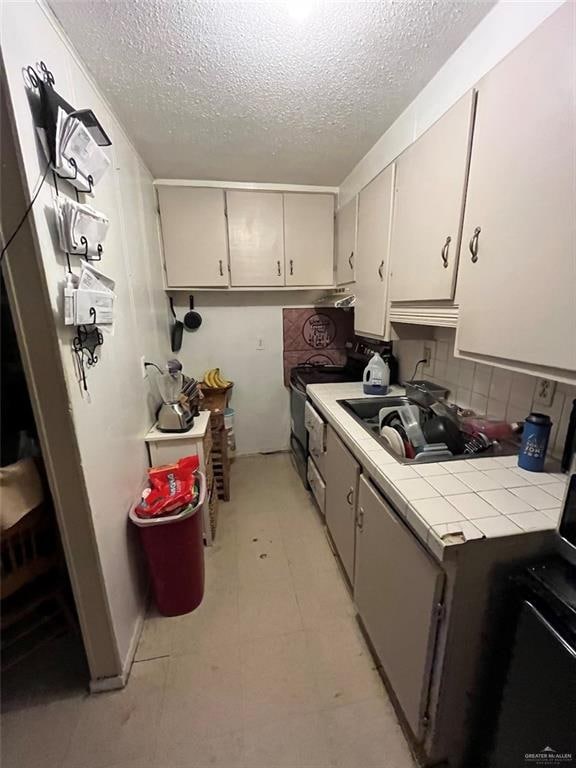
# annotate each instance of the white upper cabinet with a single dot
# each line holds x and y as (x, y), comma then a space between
(429, 196)
(346, 242)
(256, 237)
(517, 276)
(372, 264)
(309, 239)
(194, 236)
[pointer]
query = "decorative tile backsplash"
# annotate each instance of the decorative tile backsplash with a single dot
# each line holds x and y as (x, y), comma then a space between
(487, 390)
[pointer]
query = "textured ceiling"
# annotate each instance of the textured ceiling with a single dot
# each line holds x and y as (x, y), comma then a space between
(245, 91)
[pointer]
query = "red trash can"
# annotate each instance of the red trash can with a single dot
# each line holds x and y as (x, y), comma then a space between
(174, 549)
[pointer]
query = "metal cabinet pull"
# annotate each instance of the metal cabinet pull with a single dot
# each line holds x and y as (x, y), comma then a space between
(221, 267)
(350, 496)
(351, 260)
(291, 267)
(445, 251)
(360, 519)
(279, 272)
(380, 268)
(473, 245)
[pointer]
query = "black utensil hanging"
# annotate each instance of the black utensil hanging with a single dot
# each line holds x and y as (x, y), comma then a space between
(192, 319)
(177, 330)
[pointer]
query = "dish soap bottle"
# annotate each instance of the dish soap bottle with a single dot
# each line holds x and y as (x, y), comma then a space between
(376, 376)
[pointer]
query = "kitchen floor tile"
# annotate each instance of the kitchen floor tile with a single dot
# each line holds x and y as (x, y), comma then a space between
(203, 698)
(536, 497)
(493, 527)
(120, 725)
(277, 679)
(268, 609)
(298, 741)
(322, 598)
(271, 669)
(367, 734)
(341, 664)
(505, 502)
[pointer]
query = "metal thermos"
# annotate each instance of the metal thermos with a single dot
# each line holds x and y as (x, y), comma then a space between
(534, 442)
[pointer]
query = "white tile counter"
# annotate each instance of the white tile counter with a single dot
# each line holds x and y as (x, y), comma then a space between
(448, 503)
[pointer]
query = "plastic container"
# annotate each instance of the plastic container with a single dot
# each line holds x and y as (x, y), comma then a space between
(376, 377)
(174, 549)
(535, 438)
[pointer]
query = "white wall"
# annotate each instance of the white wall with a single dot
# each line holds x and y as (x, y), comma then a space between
(110, 421)
(501, 30)
(227, 339)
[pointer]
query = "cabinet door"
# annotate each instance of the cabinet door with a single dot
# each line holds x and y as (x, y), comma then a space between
(194, 236)
(397, 591)
(429, 194)
(342, 472)
(372, 265)
(309, 239)
(517, 275)
(346, 242)
(256, 236)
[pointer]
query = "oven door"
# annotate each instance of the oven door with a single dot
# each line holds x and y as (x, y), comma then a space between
(297, 416)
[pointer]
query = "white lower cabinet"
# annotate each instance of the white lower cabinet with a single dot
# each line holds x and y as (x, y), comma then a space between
(397, 590)
(342, 473)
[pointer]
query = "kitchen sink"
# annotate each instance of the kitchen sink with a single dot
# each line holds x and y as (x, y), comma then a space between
(366, 411)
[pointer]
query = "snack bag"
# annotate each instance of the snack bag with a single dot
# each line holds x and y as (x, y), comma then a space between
(172, 487)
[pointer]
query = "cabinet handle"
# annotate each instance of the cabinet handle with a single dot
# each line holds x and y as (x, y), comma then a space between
(220, 267)
(473, 245)
(445, 251)
(279, 272)
(351, 260)
(380, 268)
(291, 267)
(360, 519)
(350, 496)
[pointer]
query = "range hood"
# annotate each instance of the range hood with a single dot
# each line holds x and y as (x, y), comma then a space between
(339, 298)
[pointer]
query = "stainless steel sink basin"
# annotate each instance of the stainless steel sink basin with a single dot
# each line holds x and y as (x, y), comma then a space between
(366, 411)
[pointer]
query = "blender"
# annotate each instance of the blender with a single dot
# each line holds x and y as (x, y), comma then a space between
(173, 414)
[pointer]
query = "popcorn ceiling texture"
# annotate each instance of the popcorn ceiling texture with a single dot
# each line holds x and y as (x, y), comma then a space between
(243, 91)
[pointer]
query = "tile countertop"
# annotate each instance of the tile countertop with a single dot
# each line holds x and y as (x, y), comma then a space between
(449, 502)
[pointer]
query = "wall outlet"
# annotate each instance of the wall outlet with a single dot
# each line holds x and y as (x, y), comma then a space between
(545, 389)
(427, 355)
(260, 344)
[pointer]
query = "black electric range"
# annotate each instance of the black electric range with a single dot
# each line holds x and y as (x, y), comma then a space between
(358, 353)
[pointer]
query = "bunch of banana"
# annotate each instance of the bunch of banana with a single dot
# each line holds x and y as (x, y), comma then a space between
(213, 380)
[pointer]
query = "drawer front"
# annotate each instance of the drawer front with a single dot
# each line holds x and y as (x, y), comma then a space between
(317, 485)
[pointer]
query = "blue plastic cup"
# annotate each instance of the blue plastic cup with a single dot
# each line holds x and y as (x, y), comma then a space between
(534, 442)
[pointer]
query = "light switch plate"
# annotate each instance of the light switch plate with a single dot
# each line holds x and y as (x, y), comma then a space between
(545, 389)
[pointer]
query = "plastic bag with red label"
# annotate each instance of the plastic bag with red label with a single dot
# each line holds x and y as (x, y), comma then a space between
(172, 487)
